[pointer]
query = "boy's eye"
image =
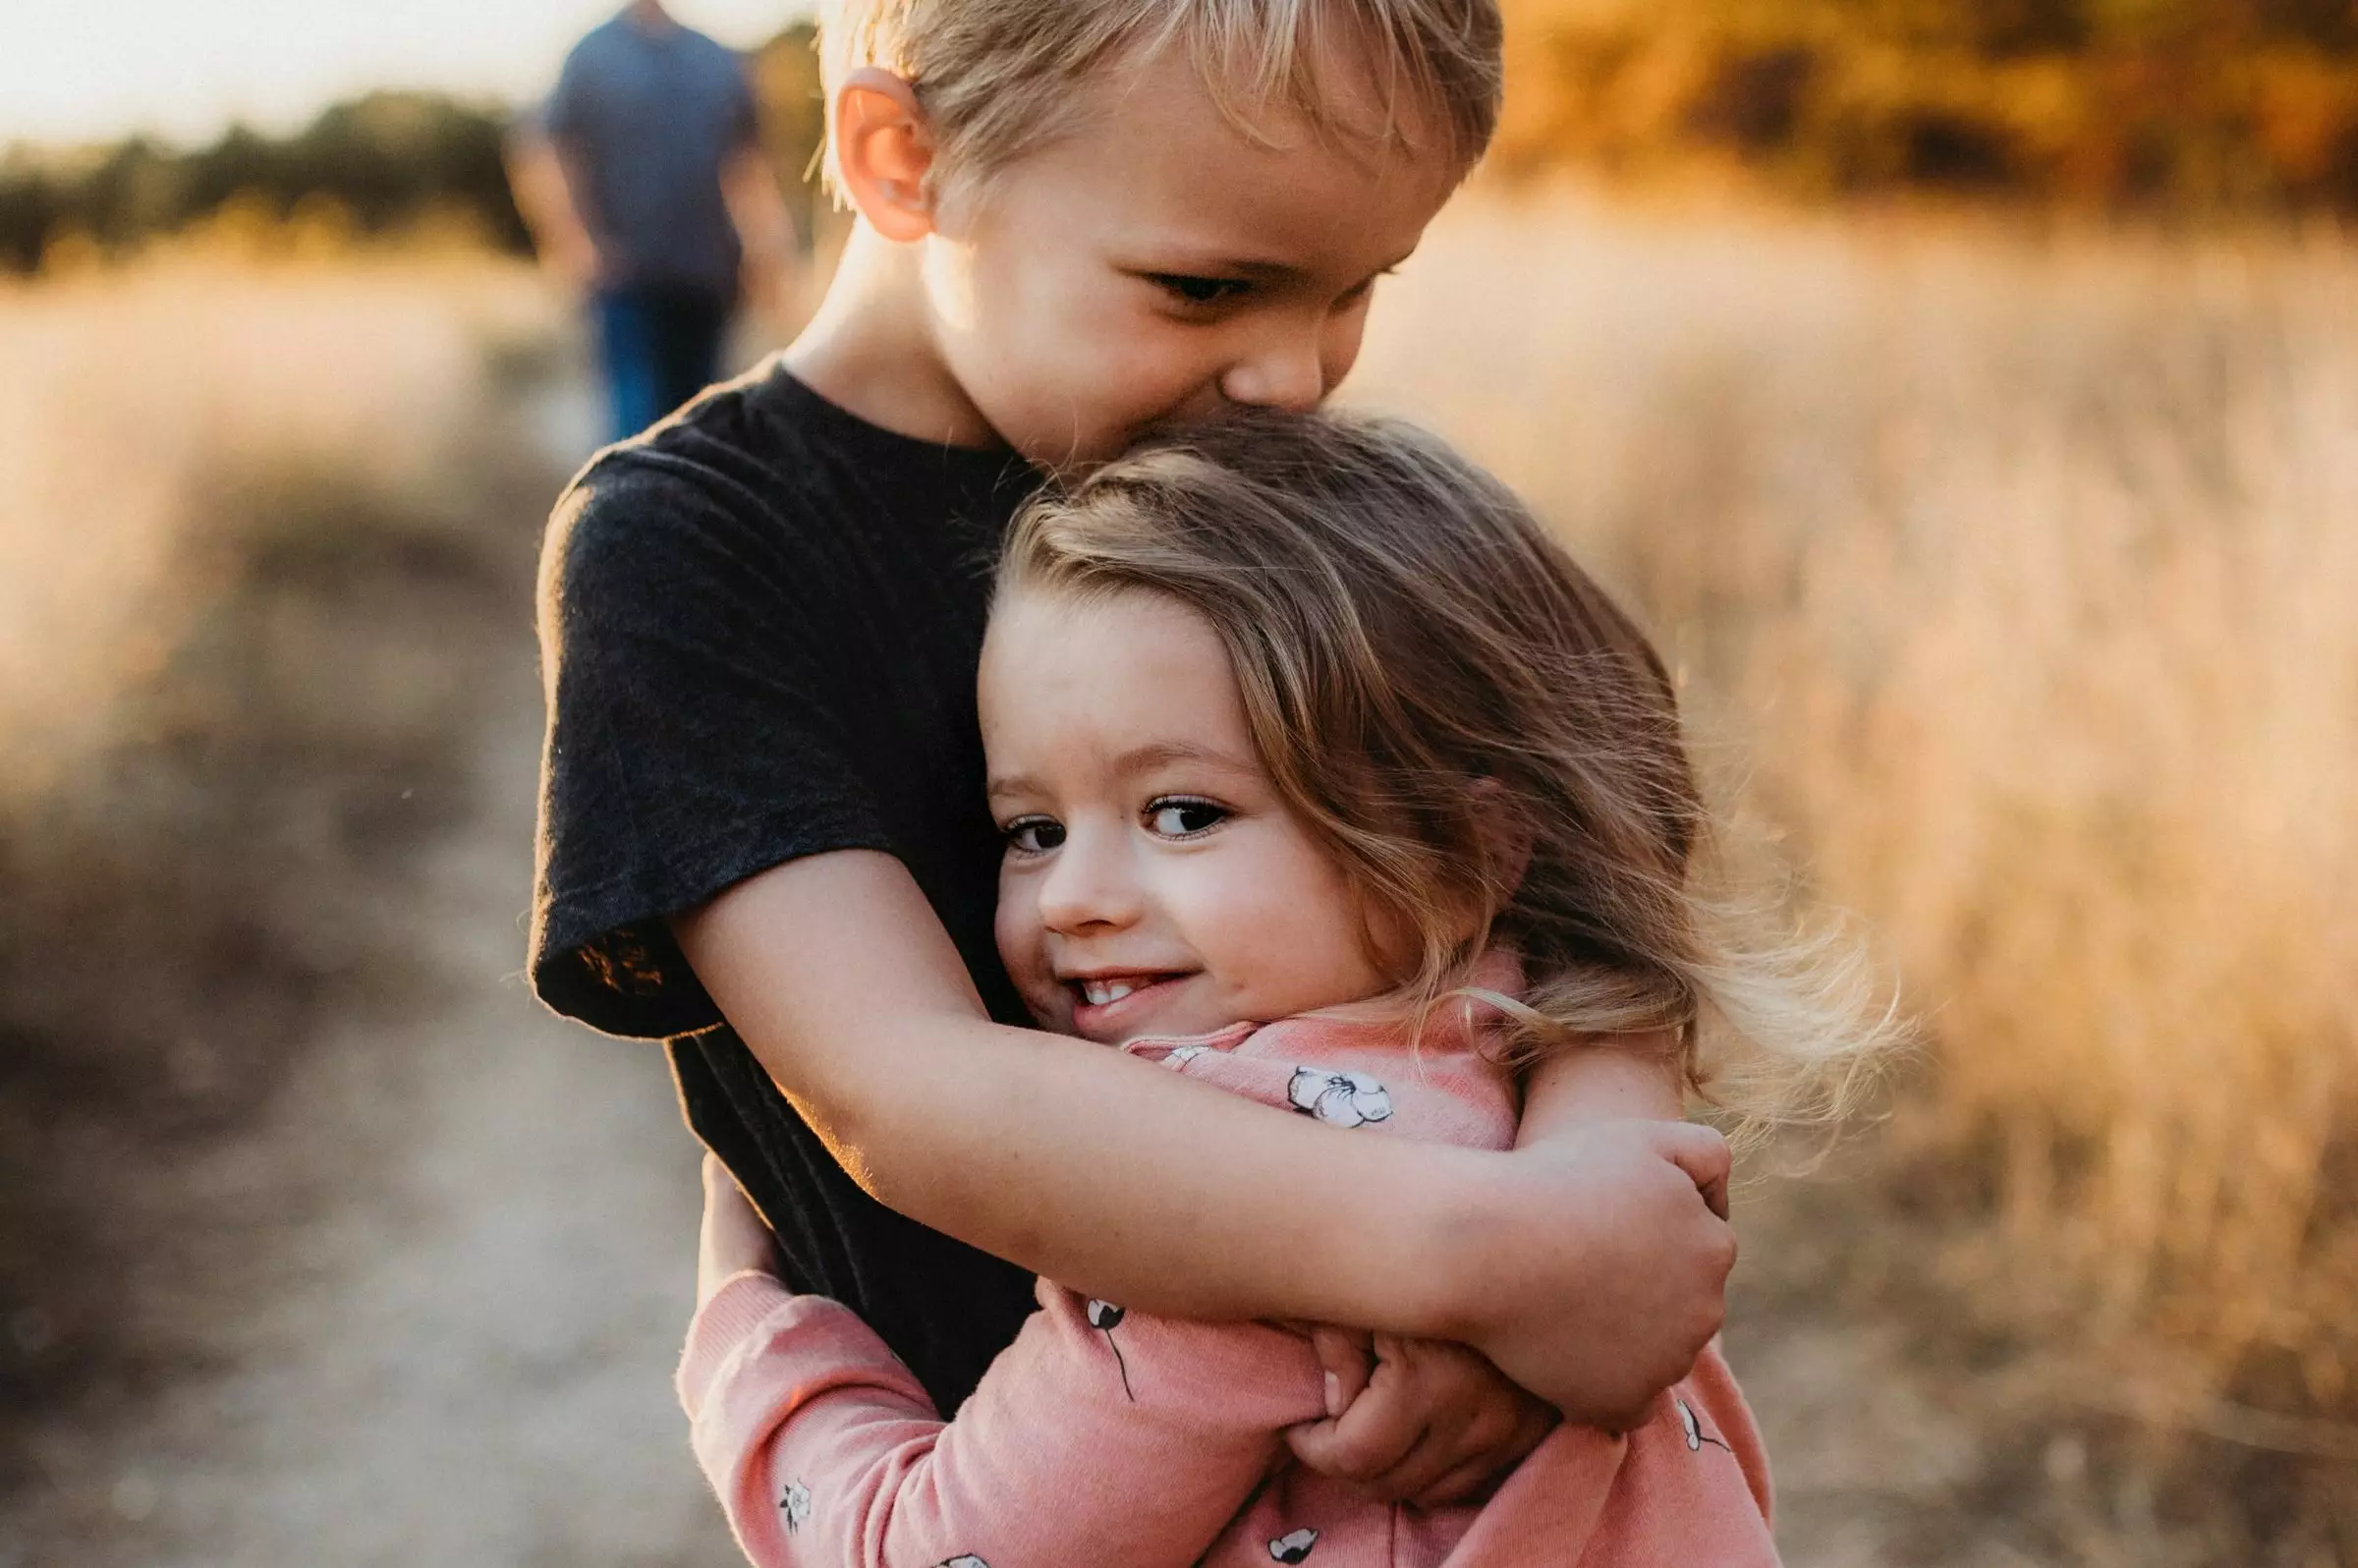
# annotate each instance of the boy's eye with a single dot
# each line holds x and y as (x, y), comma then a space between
(1196, 290)
(1033, 836)
(1183, 818)
(1361, 290)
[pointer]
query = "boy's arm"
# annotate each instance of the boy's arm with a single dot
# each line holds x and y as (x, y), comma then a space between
(1633, 1078)
(1431, 1422)
(1587, 1267)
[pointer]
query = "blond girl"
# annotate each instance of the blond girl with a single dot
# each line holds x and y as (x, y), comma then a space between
(1329, 781)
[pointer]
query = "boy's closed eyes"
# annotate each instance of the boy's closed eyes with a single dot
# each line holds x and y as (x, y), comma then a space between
(1240, 284)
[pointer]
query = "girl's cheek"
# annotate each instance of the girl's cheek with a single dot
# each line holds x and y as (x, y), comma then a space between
(1017, 933)
(1025, 961)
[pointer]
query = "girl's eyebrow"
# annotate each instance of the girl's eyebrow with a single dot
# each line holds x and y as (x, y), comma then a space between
(1161, 754)
(1142, 759)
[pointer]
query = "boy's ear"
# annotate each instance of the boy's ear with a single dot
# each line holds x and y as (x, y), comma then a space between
(883, 152)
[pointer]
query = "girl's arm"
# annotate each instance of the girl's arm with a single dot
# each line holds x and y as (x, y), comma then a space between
(1097, 1437)
(1588, 1267)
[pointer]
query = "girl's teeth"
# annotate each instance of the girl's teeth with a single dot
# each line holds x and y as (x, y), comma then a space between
(1101, 992)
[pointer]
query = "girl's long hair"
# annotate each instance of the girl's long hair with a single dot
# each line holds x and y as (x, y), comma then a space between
(1487, 743)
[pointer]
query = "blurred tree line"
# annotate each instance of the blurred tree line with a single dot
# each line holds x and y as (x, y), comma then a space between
(379, 165)
(382, 166)
(2193, 106)
(2185, 105)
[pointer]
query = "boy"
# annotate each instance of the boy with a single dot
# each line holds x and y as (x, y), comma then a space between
(1079, 220)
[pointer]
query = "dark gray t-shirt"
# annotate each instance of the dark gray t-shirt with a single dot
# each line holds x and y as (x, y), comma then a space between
(646, 118)
(760, 623)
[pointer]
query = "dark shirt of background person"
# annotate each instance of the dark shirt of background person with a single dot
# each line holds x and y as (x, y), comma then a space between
(645, 184)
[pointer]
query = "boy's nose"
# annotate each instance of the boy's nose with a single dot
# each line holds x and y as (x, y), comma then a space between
(1287, 372)
(1090, 885)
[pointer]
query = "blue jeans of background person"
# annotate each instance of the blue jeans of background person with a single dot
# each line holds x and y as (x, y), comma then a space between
(659, 345)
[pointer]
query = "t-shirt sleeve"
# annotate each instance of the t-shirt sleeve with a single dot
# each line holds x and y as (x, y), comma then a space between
(696, 733)
(560, 114)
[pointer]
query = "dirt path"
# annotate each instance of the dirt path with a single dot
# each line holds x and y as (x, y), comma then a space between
(465, 1360)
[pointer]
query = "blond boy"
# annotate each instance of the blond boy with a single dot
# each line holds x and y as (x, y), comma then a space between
(764, 828)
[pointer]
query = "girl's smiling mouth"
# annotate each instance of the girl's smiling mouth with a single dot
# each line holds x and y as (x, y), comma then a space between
(1112, 1001)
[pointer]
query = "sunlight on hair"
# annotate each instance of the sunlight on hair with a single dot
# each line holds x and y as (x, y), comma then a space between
(1000, 77)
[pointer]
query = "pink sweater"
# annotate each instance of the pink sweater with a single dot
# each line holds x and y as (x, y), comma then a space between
(1104, 1438)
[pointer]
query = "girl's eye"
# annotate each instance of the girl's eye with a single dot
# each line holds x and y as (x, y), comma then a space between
(1033, 836)
(1185, 819)
(1195, 290)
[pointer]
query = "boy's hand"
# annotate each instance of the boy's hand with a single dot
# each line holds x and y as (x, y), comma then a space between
(1432, 1422)
(1599, 1273)
(732, 1239)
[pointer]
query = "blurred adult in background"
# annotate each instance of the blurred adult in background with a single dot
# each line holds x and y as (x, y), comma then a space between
(644, 183)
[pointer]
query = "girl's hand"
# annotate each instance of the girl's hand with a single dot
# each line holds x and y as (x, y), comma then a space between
(1432, 1422)
(733, 1240)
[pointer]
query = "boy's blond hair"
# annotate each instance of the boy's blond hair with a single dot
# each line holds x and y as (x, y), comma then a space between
(995, 76)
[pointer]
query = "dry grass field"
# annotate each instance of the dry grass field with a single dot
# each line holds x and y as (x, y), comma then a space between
(152, 415)
(2012, 578)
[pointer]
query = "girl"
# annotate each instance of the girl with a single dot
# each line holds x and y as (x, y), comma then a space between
(1326, 780)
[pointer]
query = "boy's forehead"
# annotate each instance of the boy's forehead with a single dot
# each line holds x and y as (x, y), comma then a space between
(1173, 167)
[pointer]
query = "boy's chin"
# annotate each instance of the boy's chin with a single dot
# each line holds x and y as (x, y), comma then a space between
(1058, 445)
(1065, 450)
(1072, 458)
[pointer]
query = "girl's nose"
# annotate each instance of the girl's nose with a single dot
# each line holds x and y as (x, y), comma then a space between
(1090, 885)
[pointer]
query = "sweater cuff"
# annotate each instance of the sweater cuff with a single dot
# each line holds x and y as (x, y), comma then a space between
(740, 1307)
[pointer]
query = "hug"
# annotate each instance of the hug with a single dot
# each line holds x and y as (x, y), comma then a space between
(1092, 828)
